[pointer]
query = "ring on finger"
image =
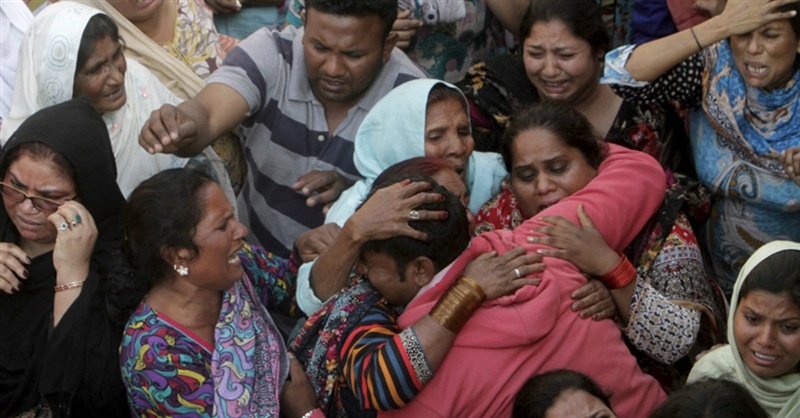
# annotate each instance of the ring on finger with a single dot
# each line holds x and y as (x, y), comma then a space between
(413, 215)
(77, 220)
(62, 227)
(517, 273)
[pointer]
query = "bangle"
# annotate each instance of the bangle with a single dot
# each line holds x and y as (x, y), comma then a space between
(459, 302)
(621, 275)
(309, 413)
(67, 286)
(699, 47)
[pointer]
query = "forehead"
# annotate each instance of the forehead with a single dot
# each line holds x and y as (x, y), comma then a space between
(779, 305)
(553, 30)
(448, 109)
(344, 32)
(28, 168)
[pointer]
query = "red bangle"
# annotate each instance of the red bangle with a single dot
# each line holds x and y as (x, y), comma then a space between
(621, 275)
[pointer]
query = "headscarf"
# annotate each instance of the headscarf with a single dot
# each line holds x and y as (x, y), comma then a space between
(75, 355)
(394, 131)
(15, 19)
(176, 75)
(45, 76)
(756, 122)
(780, 396)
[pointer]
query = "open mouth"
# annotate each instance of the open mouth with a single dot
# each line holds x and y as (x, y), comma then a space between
(755, 68)
(765, 357)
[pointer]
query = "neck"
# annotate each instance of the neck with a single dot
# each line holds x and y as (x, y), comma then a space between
(600, 106)
(161, 28)
(187, 304)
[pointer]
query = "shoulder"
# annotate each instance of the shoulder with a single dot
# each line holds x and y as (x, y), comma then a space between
(716, 363)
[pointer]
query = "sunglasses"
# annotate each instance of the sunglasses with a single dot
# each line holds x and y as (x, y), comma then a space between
(40, 203)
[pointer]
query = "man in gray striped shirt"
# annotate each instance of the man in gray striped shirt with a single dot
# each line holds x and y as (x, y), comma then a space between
(298, 97)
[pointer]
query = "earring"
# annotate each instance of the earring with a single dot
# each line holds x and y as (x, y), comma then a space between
(182, 270)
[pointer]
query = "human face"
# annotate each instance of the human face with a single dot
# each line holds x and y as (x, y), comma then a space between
(343, 55)
(559, 64)
(219, 238)
(102, 78)
(382, 272)
(455, 185)
(766, 328)
(448, 134)
(544, 170)
(137, 11)
(39, 178)
(765, 57)
(578, 404)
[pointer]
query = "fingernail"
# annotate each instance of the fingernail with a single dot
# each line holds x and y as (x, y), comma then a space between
(539, 251)
(27, 259)
(575, 307)
(583, 314)
(25, 274)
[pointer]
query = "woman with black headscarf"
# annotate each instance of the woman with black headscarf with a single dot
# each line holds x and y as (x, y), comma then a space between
(59, 224)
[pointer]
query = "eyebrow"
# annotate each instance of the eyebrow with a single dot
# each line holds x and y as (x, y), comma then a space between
(43, 192)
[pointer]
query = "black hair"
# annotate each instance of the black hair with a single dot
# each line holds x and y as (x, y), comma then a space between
(41, 152)
(566, 123)
(386, 10)
(447, 238)
(539, 393)
(161, 213)
(583, 18)
(710, 398)
(99, 27)
(779, 274)
(441, 92)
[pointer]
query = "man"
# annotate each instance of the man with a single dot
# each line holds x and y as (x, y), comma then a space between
(299, 96)
(505, 341)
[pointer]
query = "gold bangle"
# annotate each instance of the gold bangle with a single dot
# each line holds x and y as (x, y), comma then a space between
(699, 47)
(457, 305)
(70, 285)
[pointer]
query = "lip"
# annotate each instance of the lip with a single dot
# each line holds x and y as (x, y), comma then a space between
(547, 204)
(332, 85)
(116, 94)
(754, 69)
(765, 360)
(554, 86)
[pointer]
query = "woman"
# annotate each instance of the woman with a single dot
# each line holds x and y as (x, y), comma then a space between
(59, 223)
(201, 341)
(672, 309)
(356, 325)
(177, 41)
(763, 324)
(563, 44)
(562, 393)
(81, 56)
(738, 74)
(419, 118)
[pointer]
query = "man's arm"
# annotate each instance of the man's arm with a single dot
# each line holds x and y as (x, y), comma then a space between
(187, 129)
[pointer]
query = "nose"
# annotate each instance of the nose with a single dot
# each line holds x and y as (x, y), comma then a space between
(117, 76)
(551, 66)
(456, 148)
(754, 45)
(240, 231)
(766, 336)
(333, 66)
(544, 185)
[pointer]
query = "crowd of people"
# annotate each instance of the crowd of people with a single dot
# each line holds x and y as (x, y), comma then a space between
(399, 208)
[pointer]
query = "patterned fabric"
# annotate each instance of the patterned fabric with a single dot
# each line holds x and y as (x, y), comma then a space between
(317, 345)
(500, 87)
(672, 292)
(168, 370)
(617, 18)
(196, 41)
(357, 359)
(755, 201)
(445, 50)
(378, 367)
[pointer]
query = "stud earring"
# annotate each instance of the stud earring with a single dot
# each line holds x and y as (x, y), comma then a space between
(182, 270)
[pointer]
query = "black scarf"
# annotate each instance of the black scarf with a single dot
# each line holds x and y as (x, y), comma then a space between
(74, 366)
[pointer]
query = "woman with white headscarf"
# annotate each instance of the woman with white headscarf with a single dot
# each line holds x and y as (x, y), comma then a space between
(764, 331)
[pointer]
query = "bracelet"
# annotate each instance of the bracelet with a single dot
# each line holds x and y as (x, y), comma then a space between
(699, 47)
(621, 275)
(309, 413)
(457, 305)
(67, 286)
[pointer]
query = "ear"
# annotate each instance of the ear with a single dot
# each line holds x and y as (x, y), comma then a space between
(303, 16)
(388, 45)
(176, 255)
(421, 270)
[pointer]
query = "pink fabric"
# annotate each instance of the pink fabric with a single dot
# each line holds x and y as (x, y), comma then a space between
(684, 15)
(510, 339)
